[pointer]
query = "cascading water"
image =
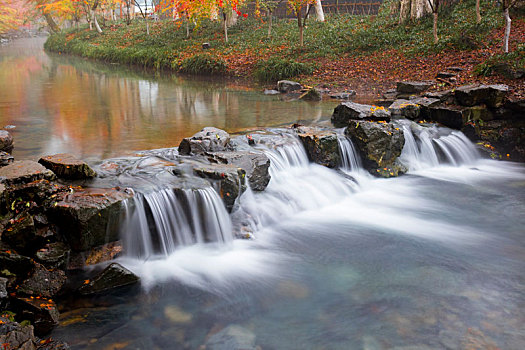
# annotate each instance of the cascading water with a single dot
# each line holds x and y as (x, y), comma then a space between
(429, 147)
(350, 161)
(157, 223)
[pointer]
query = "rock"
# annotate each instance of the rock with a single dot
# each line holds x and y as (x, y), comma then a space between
(286, 86)
(43, 282)
(231, 180)
(40, 192)
(322, 146)
(24, 171)
(508, 71)
(15, 264)
(412, 87)
(516, 105)
(6, 158)
(455, 69)
(66, 166)
(390, 94)
(471, 95)
(3, 290)
(255, 165)
(446, 96)
(478, 113)
(233, 337)
(113, 276)
(54, 255)
(97, 255)
(89, 217)
(350, 110)
(451, 116)
(21, 233)
(424, 104)
(271, 92)
(207, 140)
(6, 141)
(405, 109)
(15, 336)
(343, 95)
(311, 95)
(175, 315)
(379, 144)
(42, 313)
(445, 75)
(206, 46)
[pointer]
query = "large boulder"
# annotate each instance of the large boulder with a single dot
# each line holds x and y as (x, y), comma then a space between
(379, 144)
(452, 116)
(15, 336)
(230, 180)
(311, 95)
(412, 87)
(89, 217)
(321, 146)
(54, 255)
(355, 111)
(207, 140)
(286, 86)
(6, 141)
(67, 166)
(255, 164)
(12, 263)
(112, 277)
(21, 233)
(42, 313)
(43, 282)
(472, 95)
(24, 171)
(404, 109)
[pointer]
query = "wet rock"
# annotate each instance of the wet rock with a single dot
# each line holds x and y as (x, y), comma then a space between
(321, 146)
(66, 166)
(311, 95)
(412, 87)
(445, 75)
(3, 289)
(233, 337)
(43, 282)
(207, 140)
(230, 179)
(347, 111)
(6, 158)
(42, 313)
(21, 234)
(424, 104)
(451, 116)
(175, 315)
(255, 165)
(14, 264)
(286, 86)
(443, 96)
(516, 105)
(24, 171)
(6, 141)
(112, 277)
(404, 108)
(52, 344)
(343, 95)
(477, 113)
(15, 336)
(40, 192)
(95, 255)
(491, 95)
(379, 144)
(271, 92)
(509, 71)
(89, 217)
(54, 255)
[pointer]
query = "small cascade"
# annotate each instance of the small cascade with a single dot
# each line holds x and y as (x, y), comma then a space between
(350, 160)
(157, 223)
(429, 147)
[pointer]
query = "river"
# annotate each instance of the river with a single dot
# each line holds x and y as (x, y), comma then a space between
(434, 259)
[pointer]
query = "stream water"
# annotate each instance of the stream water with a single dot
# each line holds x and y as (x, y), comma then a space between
(434, 259)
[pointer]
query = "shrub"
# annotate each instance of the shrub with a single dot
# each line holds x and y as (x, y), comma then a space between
(275, 69)
(203, 64)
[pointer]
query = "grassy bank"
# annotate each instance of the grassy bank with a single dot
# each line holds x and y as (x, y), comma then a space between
(341, 43)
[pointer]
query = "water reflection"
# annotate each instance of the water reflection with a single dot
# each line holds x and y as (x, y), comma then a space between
(67, 104)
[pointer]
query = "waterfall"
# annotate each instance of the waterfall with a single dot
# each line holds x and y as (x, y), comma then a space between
(350, 160)
(429, 147)
(157, 223)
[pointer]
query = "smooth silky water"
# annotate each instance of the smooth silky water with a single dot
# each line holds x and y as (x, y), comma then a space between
(434, 259)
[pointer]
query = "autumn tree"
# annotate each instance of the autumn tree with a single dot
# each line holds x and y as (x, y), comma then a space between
(506, 5)
(297, 7)
(434, 5)
(478, 12)
(9, 16)
(268, 6)
(229, 10)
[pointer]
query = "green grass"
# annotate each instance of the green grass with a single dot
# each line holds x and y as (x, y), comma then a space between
(276, 68)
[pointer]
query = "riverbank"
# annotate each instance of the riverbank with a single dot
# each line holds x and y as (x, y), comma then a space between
(365, 54)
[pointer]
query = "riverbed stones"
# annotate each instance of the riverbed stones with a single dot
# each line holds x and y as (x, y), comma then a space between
(43, 282)
(12, 263)
(321, 146)
(472, 95)
(412, 87)
(287, 86)
(207, 140)
(6, 141)
(54, 255)
(21, 233)
(232, 337)
(42, 313)
(230, 180)
(112, 277)
(405, 109)
(15, 336)
(379, 144)
(6, 158)
(67, 166)
(255, 164)
(23, 171)
(311, 94)
(347, 111)
(89, 217)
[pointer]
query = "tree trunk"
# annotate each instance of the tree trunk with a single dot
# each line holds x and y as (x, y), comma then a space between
(301, 28)
(507, 30)
(435, 27)
(51, 23)
(319, 13)
(94, 20)
(478, 13)
(225, 26)
(270, 16)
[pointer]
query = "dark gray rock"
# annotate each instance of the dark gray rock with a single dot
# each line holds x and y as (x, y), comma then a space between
(271, 92)
(233, 337)
(42, 313)
(454, 117)
(12, 263)
(15, 336)
(286, 86)
(321, 146)
(347, 111)
(311, 95)
(6, 141)
(6, 158)
(478, 113)
(54, 255)
(424, 104)
(230, 180)
(89, 217)
(413, 87)
(3, 289)
(445, 75)
(66, 166)
(509, 71)
(112, 277)
(24, 171)
(21, 233)
(43, 282)
(255, 165)
(207, 140)
(404, 108)
(379, 144)
(472, 95)
(446, 96)
(343, 95)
